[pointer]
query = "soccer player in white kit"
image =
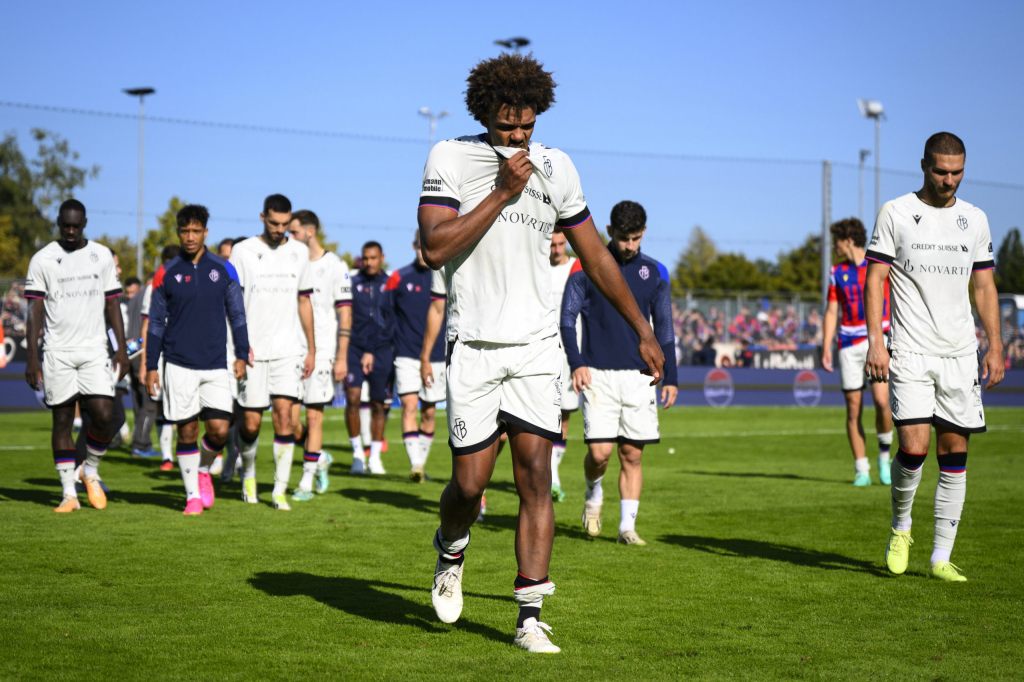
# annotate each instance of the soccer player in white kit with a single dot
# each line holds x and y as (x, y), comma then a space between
(488, 207)
(561, 264)
(931, 245)
(332, 319)
(274, 271)
(73, 293)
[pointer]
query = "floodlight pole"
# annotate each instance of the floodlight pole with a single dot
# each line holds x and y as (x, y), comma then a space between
(872, 108)
(864, 154)
(432, 119)
(141, 93)
(826, 222)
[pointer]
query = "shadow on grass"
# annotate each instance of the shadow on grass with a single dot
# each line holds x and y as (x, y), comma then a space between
(369, 599)
(47, 498)
(156, 499)
(760, 474)
(739, 547)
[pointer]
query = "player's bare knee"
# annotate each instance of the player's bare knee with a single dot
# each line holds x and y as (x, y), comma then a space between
(188, 432)
(217, 432)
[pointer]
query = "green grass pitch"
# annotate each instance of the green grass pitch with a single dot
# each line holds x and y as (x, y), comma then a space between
(763, 563)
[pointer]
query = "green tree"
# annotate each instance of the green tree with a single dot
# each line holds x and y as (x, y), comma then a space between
(1010, 264)
(124, 249)
(732, 272)
(166, 232)
(799, 270)
(699, 254)
(31, 189)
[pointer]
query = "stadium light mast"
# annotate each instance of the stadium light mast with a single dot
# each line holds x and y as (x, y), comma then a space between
(864, 154)
(872, 108)
(432, 119)
(515, 44)
(141, 93)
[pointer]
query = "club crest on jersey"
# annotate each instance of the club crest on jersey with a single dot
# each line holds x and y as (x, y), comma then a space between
(214, 276)
(548, 168)
(644, 272)
(93, 257)
(961, 222)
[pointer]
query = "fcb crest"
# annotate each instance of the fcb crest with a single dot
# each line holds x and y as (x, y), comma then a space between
(214, 275)
(548, 168)
(961, 222)
(645, 272)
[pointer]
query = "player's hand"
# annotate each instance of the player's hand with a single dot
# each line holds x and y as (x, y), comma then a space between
(367, 363)
(992, 367)
(153, 382)
(650, 353)
(240, 369)
(122, 362)
(668, 396)
(877, 364)
(426, 372)
(826, 359)
(307, 365)
(581, 379)
(34, 375)
(340, 369)
(513, 174)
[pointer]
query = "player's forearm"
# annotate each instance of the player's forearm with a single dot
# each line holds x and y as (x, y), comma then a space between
(115, 322)
(829, 325)
(431, 330)
(873, 300)
(986, 298)
(33, 328)
(442, 240)
(306, 318)
(344, 332)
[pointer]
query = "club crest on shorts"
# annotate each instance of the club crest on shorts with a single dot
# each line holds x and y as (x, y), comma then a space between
(459, 428)
(214, 276)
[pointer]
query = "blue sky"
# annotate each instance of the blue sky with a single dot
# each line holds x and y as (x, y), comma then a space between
(697, 83)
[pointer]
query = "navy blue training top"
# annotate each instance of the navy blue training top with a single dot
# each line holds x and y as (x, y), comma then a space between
(373, 324)
(608, 340)
(186, 314)
(409, 288)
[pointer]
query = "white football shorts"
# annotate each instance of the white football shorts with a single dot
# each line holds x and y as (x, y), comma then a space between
(491, 385)
(620, 405)
(318, 389)
(925, 389)
(267, 379)
(191, 393)
(407, 380)
(852, 359)
(71, 373)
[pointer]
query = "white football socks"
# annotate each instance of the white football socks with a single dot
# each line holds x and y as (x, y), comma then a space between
(628, 510)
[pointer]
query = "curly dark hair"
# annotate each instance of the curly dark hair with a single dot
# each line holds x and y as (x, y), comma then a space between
(628, 217)
(849, 228)
(514, 80)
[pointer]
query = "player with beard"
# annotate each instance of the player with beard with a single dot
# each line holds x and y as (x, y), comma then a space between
(274, 272)
(930, 245)
(332, 327)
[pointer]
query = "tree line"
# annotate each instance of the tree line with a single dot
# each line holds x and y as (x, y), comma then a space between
(31, 187)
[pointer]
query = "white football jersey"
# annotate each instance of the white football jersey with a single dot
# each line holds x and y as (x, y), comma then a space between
(332, 287)
(272, 281)
(559, 277)
(499, 289)
(75, 286)
(932, 253)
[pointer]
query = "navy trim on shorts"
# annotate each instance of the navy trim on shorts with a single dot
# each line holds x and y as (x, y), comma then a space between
(912, 422)
(275, 396)
(208, 413)
(69, 401)
(962, 430)
(639, 443)
(254, 409)
(512, 420)
(316, 405)
(588, 441)
(855, 390)
(408, 393)
(476, 447)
